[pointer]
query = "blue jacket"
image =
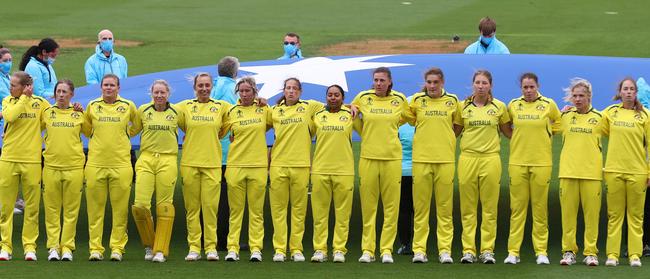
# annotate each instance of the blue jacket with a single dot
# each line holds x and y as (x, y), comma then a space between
(297, 56)
(495, 47)
(643, 92)
(224, 89)
(98, 65)
(405, 133)
(4, 92)
(44, 77)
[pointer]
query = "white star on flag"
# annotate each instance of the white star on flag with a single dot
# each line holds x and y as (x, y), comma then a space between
(318, 70)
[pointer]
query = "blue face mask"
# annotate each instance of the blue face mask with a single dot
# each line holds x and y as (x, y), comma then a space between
(50, 60)
(5, 67)
(106, 45)
(290, 49)
(487, 40)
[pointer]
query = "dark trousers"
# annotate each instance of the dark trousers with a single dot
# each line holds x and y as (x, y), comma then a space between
(405, 219)
(646, 222)
(223, 218)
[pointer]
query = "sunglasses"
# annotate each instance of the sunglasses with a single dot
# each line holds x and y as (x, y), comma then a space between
(289, 43)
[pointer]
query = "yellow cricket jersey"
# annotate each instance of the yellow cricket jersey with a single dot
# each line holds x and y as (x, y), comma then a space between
(629, 133)
(434, 140)
(481, 126)
(159, 128)
(203, 127)
(381, 117)
(532, 136)
(581, 156)
(293, 129)
(248, 126)
(333, 154)
(22, 141)
(63, 146)
(110, 145)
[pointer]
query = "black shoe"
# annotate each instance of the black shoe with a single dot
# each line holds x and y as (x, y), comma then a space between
(405, 250)
(646, 250)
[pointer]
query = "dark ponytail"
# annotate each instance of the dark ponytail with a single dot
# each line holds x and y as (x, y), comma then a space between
(47, 44)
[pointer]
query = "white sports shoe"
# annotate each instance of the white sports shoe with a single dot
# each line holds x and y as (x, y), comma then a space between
(232, 256)
(53, 255)
(542, 259)
(339, 257)
(420, 258)
(591, 261)
(116, 257)
(67, 257)
(387, 258)
(611, 262)
(192, 256)
(95, 257)
(278, 257)
(468, 258)
(445, 258)
(569, 258)
(366, 258)
(158, 258)
(148, 254)
(635, 262)
(487, 258)
(31, 256)
(511, 259)
(256, 256)
(5, 256)
(298, 257)
(318, 257)
(212, 256)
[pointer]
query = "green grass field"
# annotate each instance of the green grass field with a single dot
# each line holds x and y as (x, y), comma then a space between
(179, 34)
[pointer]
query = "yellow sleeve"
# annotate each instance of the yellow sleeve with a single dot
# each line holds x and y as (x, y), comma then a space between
(409, 115)
(269, 118)
(316, 106)
(405, 116)
(86, 126)
(136, 127)
(505, 116)
(133, 118)
(647, 141)
(181, 116)
(43, 123)
(357, 125)
(459, 111)
(12, 112)
(556, 116)
(605, 123)
(356, 101)
(224, 120)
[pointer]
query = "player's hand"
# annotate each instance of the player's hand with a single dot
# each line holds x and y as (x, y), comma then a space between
(566, 108)
(354, 111)
(262, 102)
(648, 183)
(77, 107)
(28, 90)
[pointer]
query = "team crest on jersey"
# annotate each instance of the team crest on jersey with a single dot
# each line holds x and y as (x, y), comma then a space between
(323, 118)
(149, 116)
(170, 117)
(449, 104)
(343, 118)
(300, 109)
(281, 112)
(100, 109)
(213, 109)
(468, 113)
(75, 115)
(121, 109)
(491, 112)
(259, 110)
(36, 105)
(394, 103)
(369, 101)
(52, 115)
(574, 120)
(592, 121)
(240, 113)
(540, 107)
(638, 117)
(423, 103)
(520, 107)
(195, 109)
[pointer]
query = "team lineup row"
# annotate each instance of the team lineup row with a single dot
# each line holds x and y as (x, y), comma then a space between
(439, 118)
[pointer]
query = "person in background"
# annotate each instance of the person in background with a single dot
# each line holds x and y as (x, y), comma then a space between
(37, 62)
(291, 47)
(487, 42)
(224, 89)
(105, 60)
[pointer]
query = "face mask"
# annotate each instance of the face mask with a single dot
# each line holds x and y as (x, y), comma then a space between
(5, 67)
(50, 60)
(290, 49)
(106, 45)
(486, 40)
